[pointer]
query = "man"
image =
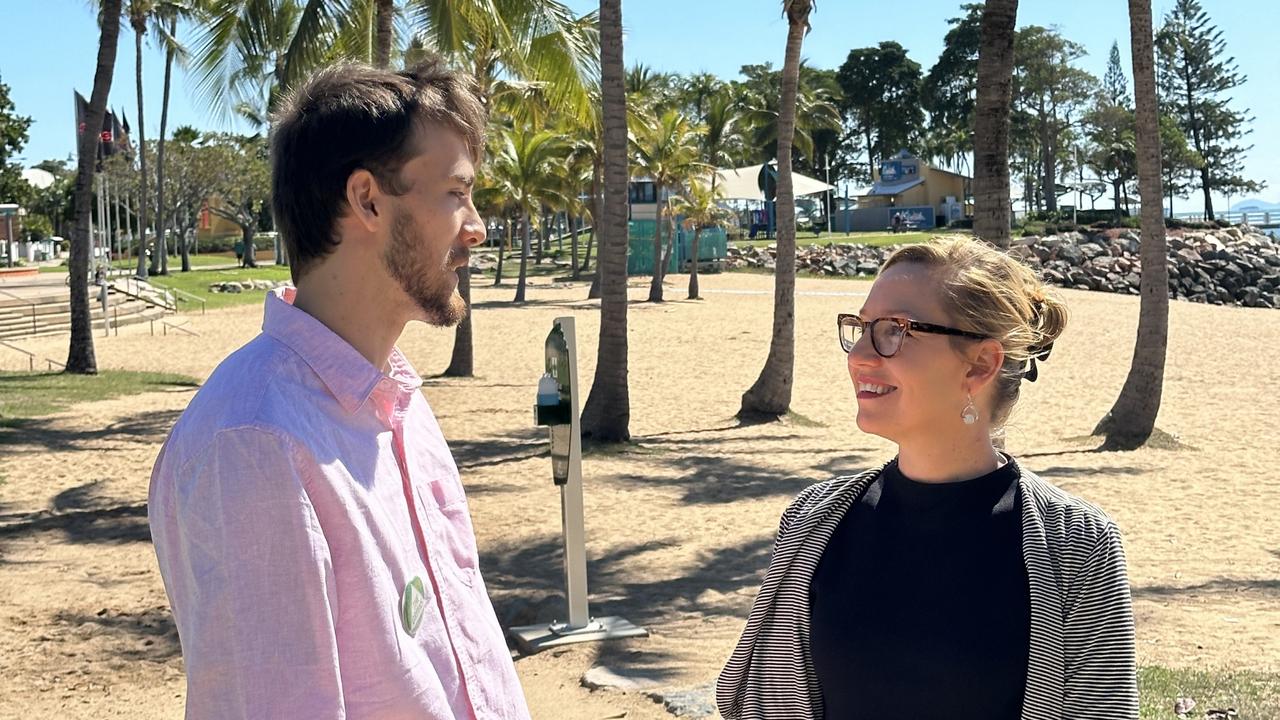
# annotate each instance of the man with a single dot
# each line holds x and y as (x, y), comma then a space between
(307, 514)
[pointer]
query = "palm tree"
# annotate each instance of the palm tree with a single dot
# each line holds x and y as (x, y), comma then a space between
(80, 355)
(814, 111)
(580, 171)
(666, 148)
(647, 87)
(249, 52)
(166, 22)
(991, 211)
(1132, 419)
(606, 416)
(770, 395)
(700, 209)
(385, 36)
(697, 90)
(139, 15)
(529, 168)
(723, 137)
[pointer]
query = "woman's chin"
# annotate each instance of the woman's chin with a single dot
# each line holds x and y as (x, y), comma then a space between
(878, 426)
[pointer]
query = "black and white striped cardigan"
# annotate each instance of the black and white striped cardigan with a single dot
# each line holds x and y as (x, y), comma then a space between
(1081, 664)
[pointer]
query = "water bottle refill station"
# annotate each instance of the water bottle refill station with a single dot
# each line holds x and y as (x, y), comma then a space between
(557, 409)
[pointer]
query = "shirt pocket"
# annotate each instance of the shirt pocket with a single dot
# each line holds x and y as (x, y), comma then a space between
(451, 527)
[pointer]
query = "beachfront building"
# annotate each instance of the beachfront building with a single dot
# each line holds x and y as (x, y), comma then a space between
(920, 195)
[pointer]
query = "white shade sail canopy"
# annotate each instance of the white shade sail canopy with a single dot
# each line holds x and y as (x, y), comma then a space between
(744, 184)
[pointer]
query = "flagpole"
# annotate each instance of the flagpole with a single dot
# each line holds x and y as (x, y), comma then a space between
(113, 233)
(128, 223)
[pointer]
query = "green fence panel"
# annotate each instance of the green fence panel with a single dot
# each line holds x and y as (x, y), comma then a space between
(712, 245)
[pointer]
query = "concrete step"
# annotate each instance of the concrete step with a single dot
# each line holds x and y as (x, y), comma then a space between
(130, 314)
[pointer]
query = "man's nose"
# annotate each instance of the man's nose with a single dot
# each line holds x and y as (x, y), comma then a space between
(473, 231)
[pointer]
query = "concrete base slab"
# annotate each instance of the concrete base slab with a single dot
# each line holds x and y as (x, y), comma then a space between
(532, 639)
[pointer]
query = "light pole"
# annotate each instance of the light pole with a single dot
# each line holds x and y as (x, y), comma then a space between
(830, 206)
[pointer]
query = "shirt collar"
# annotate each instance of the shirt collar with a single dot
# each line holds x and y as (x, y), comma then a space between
(349, 376)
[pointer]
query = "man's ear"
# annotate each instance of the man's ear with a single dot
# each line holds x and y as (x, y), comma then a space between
(366, 200)
(985, 361)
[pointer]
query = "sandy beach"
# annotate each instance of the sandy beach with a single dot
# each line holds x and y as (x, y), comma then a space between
(679, 523)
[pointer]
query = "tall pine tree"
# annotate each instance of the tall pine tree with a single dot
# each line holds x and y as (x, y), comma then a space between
(1195, 78)
(1115, 86)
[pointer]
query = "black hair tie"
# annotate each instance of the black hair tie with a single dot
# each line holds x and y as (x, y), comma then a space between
(1037, 353)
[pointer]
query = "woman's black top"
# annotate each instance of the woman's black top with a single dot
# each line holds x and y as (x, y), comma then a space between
(920, 605)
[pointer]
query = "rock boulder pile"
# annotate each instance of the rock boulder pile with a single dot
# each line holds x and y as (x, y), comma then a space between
(233, 286)
(1232, 266)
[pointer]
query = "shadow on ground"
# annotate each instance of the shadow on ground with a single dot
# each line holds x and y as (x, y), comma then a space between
(148, 635)
(82, 514)
(41, 435)
(526, 581)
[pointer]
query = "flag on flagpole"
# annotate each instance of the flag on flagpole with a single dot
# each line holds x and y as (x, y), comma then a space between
(106, 136)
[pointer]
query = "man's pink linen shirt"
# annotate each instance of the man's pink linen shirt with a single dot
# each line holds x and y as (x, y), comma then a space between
(279, 514)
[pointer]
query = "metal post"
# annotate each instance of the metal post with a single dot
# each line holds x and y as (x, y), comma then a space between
(580, 626)
(114, 199)
(8, 238)
(106, 323)
(830, 206)
(575, 534)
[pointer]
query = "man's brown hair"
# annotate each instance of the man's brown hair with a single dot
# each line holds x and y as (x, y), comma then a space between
(349, 117)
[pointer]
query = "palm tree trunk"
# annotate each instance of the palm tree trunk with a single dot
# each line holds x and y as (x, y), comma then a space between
(606, 416)
(1133, 418)
(597, 214)
(502, 246)
(991, 212)
(770, 395)
(655, 285)
(139, 29)
(161, 213)
(586, 258)
(575, 273)
(462, 363)
(80, 355)
(670, 247)
(524, 256)
(693, 271)
(382, 52)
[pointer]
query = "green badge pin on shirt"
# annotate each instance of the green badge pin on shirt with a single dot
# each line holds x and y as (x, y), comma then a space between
(412, 602)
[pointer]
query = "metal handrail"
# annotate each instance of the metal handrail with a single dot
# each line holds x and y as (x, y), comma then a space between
(31, 357)
(137, 295)
(185, 294)
(34, 327)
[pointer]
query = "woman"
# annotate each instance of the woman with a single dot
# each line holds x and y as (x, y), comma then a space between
(951, 582)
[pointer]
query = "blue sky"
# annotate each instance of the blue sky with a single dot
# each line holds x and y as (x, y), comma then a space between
(719, 36)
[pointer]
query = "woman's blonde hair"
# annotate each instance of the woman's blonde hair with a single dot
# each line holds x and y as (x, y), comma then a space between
(990, 293)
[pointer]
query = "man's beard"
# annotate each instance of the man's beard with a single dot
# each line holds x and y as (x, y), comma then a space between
(432, 289)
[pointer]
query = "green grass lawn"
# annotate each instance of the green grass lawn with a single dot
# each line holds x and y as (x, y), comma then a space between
(1256, 696)
(25, 395)
(175, 263)
(197, 283)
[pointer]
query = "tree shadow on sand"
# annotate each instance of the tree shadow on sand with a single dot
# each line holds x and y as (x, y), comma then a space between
(82, 515)
(40, 435)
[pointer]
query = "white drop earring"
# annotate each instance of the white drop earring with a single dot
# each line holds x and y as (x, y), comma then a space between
(970, 412)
